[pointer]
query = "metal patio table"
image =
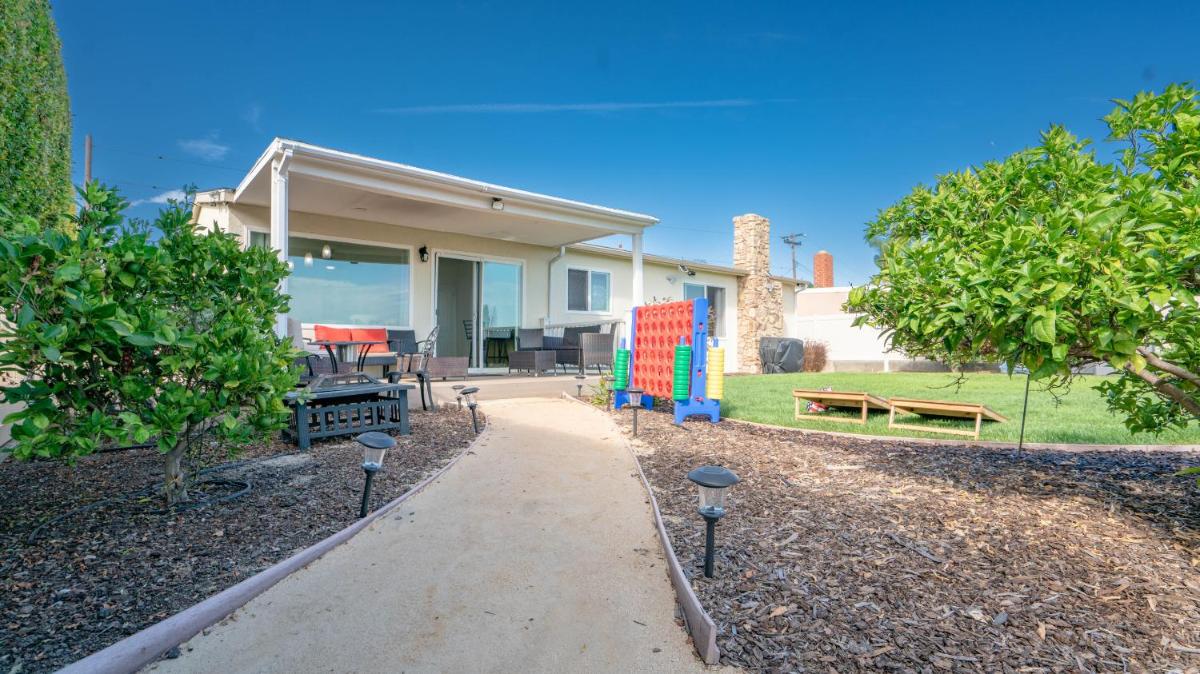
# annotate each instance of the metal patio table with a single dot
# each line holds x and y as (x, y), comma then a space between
(342, 345)
(346, 404)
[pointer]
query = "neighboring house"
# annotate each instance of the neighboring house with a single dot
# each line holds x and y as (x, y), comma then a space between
(820, 317)
(374, 242)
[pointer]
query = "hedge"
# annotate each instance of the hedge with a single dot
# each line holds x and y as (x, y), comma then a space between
(35, 115)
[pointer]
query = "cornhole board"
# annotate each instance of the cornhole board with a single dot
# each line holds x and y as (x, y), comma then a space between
(841, 399)
(943, 409)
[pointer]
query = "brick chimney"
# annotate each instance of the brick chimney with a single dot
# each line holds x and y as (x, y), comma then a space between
(760, 297)
(823, 269)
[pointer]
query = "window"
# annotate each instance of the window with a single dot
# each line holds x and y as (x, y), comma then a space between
(588, 290)
(346, 283)
(716, 305)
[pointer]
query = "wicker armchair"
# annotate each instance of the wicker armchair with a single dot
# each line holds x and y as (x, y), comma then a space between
(596, 351)
(567, 350)
(530, 355)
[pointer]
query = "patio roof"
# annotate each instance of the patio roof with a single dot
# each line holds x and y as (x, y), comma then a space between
(330, 182)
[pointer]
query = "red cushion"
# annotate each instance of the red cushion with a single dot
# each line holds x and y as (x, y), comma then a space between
(368, 334)
(324, 333)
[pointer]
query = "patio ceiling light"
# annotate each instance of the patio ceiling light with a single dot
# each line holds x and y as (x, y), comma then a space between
(308, 260)
(497, 204)
(375, 446)
(326, 251)
(713, 483)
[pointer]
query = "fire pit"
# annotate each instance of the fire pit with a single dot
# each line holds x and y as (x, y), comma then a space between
(346, 404)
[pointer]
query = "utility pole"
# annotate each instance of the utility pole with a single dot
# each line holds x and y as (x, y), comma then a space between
(793, 240)
(87, 159)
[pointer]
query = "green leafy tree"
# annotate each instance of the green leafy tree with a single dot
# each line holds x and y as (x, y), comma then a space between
(35, 116)
(1054, 259)
(118, 336)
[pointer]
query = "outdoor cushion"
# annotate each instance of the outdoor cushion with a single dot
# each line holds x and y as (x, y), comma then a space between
(368, 334)
(323, 333)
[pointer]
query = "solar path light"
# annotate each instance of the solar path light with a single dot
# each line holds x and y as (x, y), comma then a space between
(635, 401)
(458, 392)
(375, 446)
(713, 482)
(579, 379)
(469, 394)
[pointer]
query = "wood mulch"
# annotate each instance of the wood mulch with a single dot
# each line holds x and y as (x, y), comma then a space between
(99, 575)
(846, 555)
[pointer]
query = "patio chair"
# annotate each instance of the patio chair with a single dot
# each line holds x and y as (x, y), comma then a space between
(402, 346)
(529, 354)
(567, 351)
(313, 362)
(469, 330)
(596, 349)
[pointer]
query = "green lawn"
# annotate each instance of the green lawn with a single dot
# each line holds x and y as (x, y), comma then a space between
(1079, 416)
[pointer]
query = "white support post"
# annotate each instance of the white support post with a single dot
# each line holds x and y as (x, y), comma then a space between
(639, 289)
(639, 283)
(279, 223)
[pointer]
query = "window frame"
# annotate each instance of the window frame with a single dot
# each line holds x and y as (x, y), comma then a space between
(360, 242)
(588, 295)
(721, 317)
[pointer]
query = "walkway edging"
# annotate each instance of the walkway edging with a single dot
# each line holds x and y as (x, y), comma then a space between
(148, 645)
(986, 444)
(700, 624)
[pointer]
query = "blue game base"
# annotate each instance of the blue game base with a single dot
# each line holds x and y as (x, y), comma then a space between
(621, 399)
(692, 408)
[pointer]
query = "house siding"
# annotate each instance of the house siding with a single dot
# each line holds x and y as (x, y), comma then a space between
(540, 305)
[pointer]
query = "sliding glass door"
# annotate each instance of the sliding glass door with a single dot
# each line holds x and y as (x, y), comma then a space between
(477, 305)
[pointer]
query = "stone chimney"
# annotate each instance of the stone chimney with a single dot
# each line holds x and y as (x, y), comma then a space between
(823, 270)
(760, 297)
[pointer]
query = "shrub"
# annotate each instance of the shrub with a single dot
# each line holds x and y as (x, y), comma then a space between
(118, 337)
(816, 356)
(35, 116)
(1055, 259)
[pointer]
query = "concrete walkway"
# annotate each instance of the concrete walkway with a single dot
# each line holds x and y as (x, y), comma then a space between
(536, 553)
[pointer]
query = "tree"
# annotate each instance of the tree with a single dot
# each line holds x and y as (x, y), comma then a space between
(119, 336)
(1053, 259)
(35, 116)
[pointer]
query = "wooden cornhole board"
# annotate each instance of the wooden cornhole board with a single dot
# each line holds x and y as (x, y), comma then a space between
(944, 409)
(842, 399)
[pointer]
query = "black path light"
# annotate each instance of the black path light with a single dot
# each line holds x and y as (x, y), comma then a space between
(375, 446)
(469, 394)
(579, 379)
(714, 482)
(635, 401)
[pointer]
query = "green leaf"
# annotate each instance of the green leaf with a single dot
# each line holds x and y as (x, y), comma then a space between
(67, 273)
(141, 339)
(25, 315)
(120, 327)
(52, 354)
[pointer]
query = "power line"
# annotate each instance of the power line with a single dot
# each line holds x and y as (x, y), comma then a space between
(794, 241)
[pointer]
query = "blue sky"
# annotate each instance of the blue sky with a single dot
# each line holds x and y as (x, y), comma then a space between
(814, 116)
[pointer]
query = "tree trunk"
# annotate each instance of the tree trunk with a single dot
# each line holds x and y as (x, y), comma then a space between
(1168, 390)
(175, 486)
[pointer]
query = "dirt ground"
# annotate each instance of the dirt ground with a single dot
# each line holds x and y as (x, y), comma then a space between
(79, 584)
(847, 555)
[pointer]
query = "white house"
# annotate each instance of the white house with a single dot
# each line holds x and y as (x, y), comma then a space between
(378, 243)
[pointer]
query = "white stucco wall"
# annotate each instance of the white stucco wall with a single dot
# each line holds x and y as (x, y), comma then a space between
(540, 304)
(658, 284)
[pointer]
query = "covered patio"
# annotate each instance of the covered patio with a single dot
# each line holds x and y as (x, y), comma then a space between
(379, 244)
